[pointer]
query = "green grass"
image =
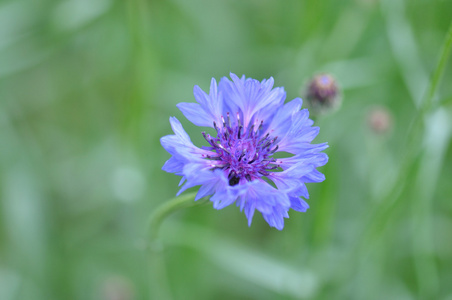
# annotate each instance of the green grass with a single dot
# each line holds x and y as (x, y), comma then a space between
(86, 91)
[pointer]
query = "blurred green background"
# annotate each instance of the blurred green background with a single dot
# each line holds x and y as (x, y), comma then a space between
(86, 90)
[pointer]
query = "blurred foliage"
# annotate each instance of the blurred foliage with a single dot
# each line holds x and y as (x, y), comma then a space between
(86, 91)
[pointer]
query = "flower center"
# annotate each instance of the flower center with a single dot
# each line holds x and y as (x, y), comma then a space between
(243, 153)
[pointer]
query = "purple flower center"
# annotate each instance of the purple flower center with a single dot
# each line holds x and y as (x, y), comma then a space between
(243, 153)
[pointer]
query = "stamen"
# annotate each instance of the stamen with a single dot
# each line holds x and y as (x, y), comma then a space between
(241, 152)
(251, 131)
(223, 148)
(274, 150)
(213, 157)
(238, 133)
(254, 158)
(207, 137)
(241, 156)
(264, 138)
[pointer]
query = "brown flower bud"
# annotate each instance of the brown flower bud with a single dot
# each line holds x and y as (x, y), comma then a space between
(323, 93)
(379, 120)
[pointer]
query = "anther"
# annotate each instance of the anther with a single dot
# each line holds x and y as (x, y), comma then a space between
(213, 157)
(251, 131)
(206, 136)
(274, 150)
(223, 148)
(254, 158)
(241, 156)
(264, 138)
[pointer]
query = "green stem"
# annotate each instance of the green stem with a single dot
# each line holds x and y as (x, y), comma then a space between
(391, 204)
(159, 286)
(439, 70)
(168, 208)
(446, 101)
(416, 127)
(413, 146)
(425, 268)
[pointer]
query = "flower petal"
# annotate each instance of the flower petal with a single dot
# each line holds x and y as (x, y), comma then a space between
(298, 204)
(265, 198)
(195, 114)
(282, 120)
(208, 110)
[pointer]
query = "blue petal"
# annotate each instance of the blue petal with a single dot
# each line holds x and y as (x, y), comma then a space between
(249, 212)
(282, 120)
(228, 98)
(195, 114)
(183, 152)
(173, 165)
(314, 176)
(199, 173)
(234, 92)
(253, 98)
(276, 218)
(316, 159)
(225, 195)
(208, 110)
(212, 103)
(179, 130)
(298, 204)
(223, 198)
(300, 134)
(265, 198)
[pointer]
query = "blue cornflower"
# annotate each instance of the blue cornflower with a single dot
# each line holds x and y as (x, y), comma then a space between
(241, 164)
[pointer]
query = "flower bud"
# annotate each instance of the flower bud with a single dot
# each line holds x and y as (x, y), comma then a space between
(323, 93)
(379, 120)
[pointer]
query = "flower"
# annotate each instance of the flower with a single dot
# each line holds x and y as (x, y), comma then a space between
(323, 93)
(240, 164)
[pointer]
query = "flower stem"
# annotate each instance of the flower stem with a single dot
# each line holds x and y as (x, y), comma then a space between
(426, 270)
(159, 286)
(439, 70)
(391, 204)
(168, 208)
